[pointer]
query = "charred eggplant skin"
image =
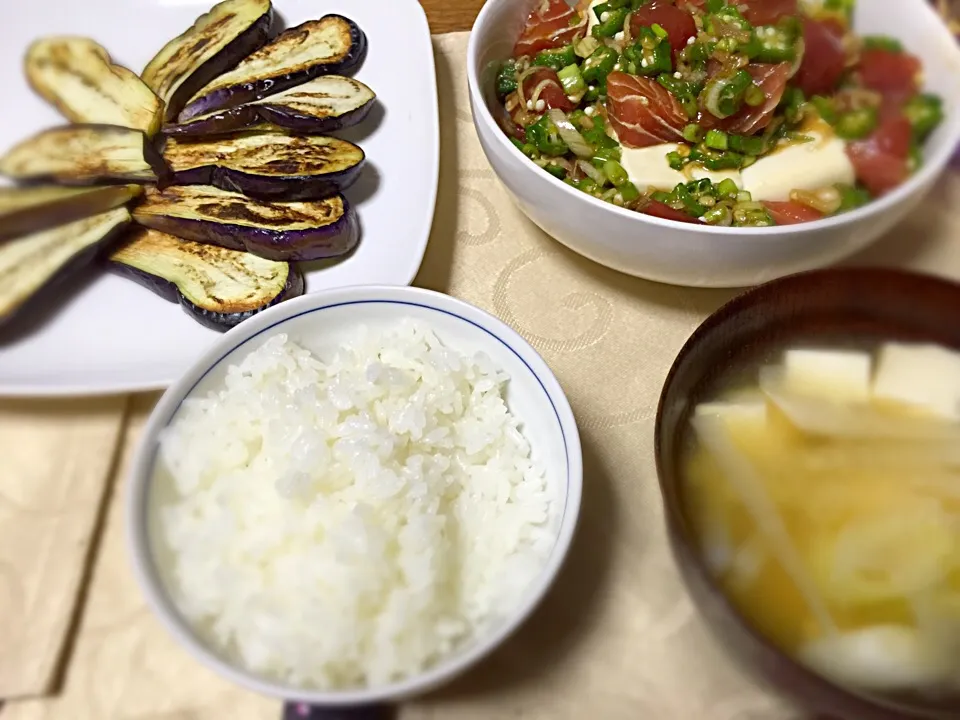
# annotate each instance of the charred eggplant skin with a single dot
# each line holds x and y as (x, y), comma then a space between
(25, 210)
(185, 64)
(208, 318)
(276, 231)
(288, 110)
(53, 270)
(209, 314)
(268, 166)
(249, 83)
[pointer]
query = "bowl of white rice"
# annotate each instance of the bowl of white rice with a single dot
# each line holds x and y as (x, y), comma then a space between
(355, 495)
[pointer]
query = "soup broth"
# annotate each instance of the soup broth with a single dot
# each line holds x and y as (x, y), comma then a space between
(824, 491)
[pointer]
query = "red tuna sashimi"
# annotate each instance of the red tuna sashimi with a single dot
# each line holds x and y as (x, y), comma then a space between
(824, 58)
(881, 160)
(664, 211)
(772, 79)
(791, 213)
(552, 24)
(892, 74)
(678, 23)
(551, 91)
(767, 12)
(642, 111)
(758, 12)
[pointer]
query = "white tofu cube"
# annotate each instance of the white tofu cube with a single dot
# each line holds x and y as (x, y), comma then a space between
(836, 375)
(925, 377)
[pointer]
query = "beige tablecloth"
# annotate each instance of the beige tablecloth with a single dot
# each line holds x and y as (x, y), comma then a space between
(616, 639)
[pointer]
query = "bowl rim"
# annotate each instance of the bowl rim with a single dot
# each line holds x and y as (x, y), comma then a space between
(140, 475)
(678, 527)
(933, 165)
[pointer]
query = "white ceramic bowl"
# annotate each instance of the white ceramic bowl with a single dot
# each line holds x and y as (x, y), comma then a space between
(533, 394)
(699, 255)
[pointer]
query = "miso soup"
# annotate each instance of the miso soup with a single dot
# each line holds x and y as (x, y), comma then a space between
(825, 495)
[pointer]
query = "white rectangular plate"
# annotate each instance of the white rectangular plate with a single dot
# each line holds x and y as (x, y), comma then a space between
(111, 335)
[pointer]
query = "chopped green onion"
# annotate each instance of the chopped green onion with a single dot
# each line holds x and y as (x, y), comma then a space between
(612, 25)
(556, 59)
(748, 145)
(925, 113)
(714, 6)
(603, 155)
(615, 173)
(719, 215)
(716, 160)
(555, 170)
(852, 197)
(599, 64)
(585, 47)
(586, 185)
(545, 135)
(600, 10)
(856, 124)
(751, 215)
(659, 31)
(881, 42)
(844, 7)
(722, 97)
(580, 119)
(914, 157)
(716, 140)
(617, 4)
(628, 191)
(754, 96)
(507, 78)
(728, 188)
(744, 197)
(572, 81)
(792, 104)
(675, 160)
(693, 133)
(825, 108)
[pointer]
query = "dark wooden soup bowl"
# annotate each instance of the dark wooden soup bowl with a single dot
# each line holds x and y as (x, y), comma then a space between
(820, 307)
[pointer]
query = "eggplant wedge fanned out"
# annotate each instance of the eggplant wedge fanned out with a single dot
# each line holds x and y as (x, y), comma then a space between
(33, 264)
(216, 41)
(85, 155)
(218, 287)
(33, 208)
(267, 166)
(332, 45)
(276, 231)
(78, 77)
(322, 105)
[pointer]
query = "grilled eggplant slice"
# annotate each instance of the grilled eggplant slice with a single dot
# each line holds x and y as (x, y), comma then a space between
(77, 76)
(219, 288)
(84, 155)
(35, 263)
(325, 104)
(31, 209)
(276, 231)
(216, 42)
(267, 166)
(332, 45)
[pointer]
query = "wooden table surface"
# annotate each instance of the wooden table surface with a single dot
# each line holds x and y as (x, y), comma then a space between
(451, 15)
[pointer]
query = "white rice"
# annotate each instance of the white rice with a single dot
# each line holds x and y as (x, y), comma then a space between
(349, 519)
